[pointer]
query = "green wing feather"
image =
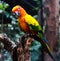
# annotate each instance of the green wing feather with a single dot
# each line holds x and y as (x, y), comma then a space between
(33, 23)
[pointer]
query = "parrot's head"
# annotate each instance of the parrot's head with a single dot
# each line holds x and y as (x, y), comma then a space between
(18, 11)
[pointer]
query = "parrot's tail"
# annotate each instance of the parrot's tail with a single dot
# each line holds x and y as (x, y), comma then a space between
(52, 56)
(48, 50)
(44, 44)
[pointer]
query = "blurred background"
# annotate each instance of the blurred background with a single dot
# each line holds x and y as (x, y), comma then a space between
(9, 25)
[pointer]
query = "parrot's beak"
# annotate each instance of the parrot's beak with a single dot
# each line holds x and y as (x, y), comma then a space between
(16, 13)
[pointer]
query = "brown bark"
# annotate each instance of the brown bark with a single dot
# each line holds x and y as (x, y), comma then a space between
(51, 32)
(18, 52)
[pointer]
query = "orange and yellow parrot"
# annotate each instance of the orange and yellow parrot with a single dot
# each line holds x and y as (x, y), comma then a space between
(30, 25)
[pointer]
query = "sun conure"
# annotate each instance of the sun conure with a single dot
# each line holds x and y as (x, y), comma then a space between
(30, 25)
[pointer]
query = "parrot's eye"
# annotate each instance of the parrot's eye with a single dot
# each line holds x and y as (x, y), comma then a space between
(16, 13)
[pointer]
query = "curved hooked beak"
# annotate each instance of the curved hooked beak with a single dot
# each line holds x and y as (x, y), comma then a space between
(16, 13)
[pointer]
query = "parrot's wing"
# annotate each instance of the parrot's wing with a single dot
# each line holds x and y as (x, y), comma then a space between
(32, 23)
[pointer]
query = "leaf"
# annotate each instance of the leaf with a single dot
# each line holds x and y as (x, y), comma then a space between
(3, 5)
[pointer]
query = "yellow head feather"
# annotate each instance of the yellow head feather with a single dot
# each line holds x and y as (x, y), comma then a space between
(15, 8)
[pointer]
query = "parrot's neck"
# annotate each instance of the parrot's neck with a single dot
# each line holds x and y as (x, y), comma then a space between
(23, 13)
(22, 16)
(21, 19)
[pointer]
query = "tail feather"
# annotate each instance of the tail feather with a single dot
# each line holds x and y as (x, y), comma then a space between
(45, 45)
(48, 50)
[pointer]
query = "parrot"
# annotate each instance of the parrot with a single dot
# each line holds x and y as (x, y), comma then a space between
(28, 24)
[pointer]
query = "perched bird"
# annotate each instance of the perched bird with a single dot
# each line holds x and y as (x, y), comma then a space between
(30, 25)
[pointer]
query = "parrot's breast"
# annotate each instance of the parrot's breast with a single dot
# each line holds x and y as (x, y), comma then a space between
(23, 26)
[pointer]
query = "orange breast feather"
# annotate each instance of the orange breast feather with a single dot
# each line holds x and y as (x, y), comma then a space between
(22, 24)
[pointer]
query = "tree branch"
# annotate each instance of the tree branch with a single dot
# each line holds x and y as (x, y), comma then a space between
(21, 51)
